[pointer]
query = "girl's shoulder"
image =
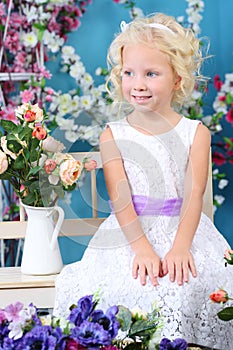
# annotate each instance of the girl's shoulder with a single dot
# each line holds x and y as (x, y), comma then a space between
(111, 128)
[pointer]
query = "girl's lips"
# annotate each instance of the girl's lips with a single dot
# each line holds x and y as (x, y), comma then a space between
(141, 98)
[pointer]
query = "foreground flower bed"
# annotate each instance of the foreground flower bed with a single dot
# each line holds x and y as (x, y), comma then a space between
(87, 327)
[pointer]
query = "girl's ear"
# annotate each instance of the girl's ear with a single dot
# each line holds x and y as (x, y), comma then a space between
(177, 82)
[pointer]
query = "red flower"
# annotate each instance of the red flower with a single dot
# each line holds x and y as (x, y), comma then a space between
(217, 83)
(73, 345)
(220, 296)
(39, 132)
(229, 116)
(218, 158)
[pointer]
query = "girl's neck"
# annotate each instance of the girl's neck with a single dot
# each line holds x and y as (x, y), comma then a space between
(153, 123)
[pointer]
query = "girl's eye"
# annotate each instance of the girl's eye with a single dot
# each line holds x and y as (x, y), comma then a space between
(152, 74)
(127, 73)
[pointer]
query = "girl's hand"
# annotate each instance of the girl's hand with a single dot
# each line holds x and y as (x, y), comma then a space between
(178, 263)
(147, 263)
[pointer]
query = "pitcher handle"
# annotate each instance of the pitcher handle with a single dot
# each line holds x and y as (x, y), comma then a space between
(57, 227)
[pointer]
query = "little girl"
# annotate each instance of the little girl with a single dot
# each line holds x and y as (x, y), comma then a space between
(156, 245)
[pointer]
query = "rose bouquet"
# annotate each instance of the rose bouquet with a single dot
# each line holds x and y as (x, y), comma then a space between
(86, 327)
(32, 160)
(221, 296)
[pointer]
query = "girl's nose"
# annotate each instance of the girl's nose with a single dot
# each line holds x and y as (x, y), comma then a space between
(139, 85)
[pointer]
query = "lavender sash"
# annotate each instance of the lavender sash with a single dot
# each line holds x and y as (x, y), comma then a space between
(149, 206)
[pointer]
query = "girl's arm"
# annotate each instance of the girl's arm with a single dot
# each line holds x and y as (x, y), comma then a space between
(146, 261)
(179, 260)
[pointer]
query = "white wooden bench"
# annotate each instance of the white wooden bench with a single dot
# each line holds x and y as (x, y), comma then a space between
(41, 289)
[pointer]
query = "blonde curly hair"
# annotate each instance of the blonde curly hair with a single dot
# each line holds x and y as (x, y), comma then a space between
(178, 43)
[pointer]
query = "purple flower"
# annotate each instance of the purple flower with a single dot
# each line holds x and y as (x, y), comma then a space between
(83, 310)
(108, 320)
(177, 344)
(41, 336)
(91, 334)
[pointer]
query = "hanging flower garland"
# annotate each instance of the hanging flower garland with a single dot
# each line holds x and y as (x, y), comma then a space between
(32, 30)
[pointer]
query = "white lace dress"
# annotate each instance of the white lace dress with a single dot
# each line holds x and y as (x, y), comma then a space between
(155, 167)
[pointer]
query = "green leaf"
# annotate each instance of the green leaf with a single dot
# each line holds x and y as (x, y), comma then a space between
(8, 126)
(142, 328)
(124, 316)
(228, 98)
(226, 314)
(19, 163)
(14, 146)
(34, 170)
(29, 199)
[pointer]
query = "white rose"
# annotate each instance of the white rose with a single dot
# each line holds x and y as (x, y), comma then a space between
(50, 144)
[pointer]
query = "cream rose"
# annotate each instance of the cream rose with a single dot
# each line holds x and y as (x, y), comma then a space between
(39, 113)
(52, 145)
(70, 170)
(7, 151)
(3, 162)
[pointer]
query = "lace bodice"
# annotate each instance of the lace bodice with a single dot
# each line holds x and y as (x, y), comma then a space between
(155, 165)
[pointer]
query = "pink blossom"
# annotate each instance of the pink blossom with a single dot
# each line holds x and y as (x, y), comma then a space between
(2, 10)
(45, 73)
(12, 311)
(27, 96)
(8, 113)
(48, 98)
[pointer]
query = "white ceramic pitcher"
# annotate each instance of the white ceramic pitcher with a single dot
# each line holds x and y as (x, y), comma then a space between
(41, 253)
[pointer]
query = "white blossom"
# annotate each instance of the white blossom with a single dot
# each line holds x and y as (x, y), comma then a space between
(29, 39)
(222, 183)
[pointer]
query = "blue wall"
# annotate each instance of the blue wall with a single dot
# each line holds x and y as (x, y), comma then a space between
(97, 30)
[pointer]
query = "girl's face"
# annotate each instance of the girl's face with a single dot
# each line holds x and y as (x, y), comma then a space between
(148, 81)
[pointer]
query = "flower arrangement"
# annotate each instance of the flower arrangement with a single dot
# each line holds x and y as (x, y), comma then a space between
(32, 160)
(86, 327)
(221, 296)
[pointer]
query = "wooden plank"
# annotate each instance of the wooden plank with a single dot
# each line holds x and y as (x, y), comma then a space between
(40, 297)
(70, 227)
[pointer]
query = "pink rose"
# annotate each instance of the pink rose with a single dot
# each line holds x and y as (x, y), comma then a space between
(39, 132)
(3, 162)
(52, 145)
(49, 166)
(29, 116)
(220, 296)
(90, 165)
(70, 170)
